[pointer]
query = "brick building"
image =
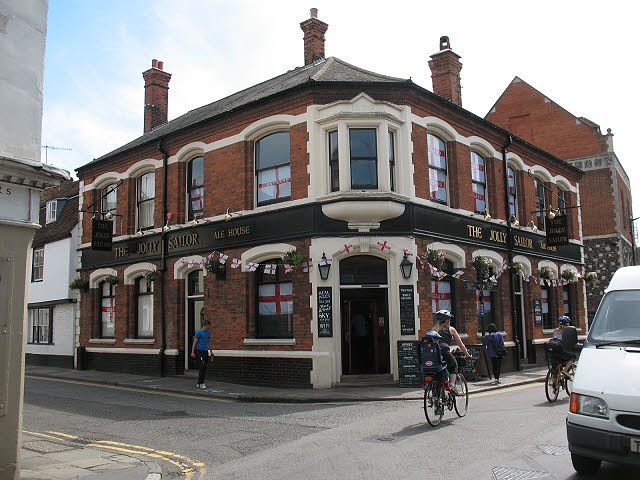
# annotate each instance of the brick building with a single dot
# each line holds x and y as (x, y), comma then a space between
(605, 191)
(336, 162)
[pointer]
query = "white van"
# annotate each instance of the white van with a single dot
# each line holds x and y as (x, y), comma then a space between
(604, 418)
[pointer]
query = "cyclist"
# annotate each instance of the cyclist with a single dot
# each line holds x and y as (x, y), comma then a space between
(567, 336)
(448, 336)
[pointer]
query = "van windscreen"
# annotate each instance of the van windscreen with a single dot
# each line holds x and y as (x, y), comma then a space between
(618, 317)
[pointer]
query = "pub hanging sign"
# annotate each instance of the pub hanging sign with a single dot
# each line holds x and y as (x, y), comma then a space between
(101, 234)
(557, 231)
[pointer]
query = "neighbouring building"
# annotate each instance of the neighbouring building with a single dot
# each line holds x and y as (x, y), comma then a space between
(605, 190)
(52, 309)
(359, 173)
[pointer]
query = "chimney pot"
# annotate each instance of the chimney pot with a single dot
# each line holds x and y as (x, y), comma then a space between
(160, 65)
(445, 72)
(154, 63)
(314, 31)
(314, 13)
(156, 95)
(444, 43)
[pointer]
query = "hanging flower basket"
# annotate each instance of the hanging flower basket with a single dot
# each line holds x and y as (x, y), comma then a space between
(293, 257)
(544, 272)
(212, 265)
(569, 275)
(150, 276)
(592, 279)
(112, 279)
(482, 266)
(517, 267)
(79, 285)
(434, 258)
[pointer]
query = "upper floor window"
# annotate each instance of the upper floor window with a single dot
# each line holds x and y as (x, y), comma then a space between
(37, 270)
(513, 192)
(392, 161)
(144, 310)
(107, 316)
(334, 168)
(437, 156)
(541, 203)
(563, 201)
(146, 196)
(109, 198)
(275, 302)
(195, 187)
(273, 168)
(52, 208)
(363, 151)
(40, 326)
(479, 182)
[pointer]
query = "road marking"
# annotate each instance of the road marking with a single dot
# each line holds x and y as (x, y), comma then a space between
(187, 466)
(133, 389)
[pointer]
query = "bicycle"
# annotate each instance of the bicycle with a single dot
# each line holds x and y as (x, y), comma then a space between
(437, 398)
(556, 380)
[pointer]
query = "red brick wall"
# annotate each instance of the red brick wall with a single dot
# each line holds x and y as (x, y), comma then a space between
(624, 210)
(596, 196)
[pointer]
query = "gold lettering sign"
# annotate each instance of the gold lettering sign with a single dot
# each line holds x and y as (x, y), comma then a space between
(239, 231)
(544, 246)
(498, 236)
(474, 232)
(152, 246)
(522, 242)
(121, 251)
(186, 240)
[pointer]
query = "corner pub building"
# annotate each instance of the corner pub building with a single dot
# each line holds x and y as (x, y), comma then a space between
(335, 162)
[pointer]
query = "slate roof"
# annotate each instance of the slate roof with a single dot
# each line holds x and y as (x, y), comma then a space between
(331, 69)
(67, 218)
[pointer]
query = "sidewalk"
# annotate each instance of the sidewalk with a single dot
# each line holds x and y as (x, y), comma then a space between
(45, 457)
(185, 384)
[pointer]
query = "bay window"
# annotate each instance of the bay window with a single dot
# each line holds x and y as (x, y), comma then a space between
(273, 168)
(437, 158)
(392, 161)
(334, 167)
(363, 151)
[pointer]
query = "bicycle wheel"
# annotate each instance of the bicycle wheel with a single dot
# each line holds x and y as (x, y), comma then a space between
(552, 384)
(461, 402)
(568, 382)
(434, 403)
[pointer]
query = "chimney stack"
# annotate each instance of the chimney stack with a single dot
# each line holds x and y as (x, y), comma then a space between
(314, 31)
(445, 72)
(156, 95)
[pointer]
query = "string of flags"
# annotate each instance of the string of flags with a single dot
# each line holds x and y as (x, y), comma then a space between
(383, 246)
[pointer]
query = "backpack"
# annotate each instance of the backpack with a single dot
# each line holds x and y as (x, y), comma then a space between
(431, 360)
(554, 346)
(501, 350)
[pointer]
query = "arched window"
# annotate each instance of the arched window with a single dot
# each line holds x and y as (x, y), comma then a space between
(274, 299)
(479, 182)
(146, 195)
(109, 196)
(437, 157)
(563, 200)
(144, 310)
(363, 270)
(273, 168)
(442, 294)
(513, 192)
(107, 315)
(541, 203)
(195, 187)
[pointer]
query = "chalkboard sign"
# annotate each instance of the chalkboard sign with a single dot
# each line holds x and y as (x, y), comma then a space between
(325, 312)
(409, 362)
(471, 369)
(537, 311)
(407, 311)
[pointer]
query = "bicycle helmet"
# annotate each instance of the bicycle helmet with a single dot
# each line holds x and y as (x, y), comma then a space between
(433, 334)
(445, 313)
(564, 320)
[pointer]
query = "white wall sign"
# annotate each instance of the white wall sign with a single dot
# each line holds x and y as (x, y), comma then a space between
(19, 203)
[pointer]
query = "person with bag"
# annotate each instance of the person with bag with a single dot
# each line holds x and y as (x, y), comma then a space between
(493, 344)
(200, 352)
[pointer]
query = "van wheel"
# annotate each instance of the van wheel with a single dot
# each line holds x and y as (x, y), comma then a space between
(585, 465)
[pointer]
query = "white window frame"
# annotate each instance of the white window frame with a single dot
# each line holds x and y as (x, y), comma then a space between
(37, 262)
(52, 211)
(37, 318)
(447, 201)
(151, 200)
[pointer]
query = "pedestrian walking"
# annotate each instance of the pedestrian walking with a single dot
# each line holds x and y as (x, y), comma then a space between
(200, 351)
(494, 346)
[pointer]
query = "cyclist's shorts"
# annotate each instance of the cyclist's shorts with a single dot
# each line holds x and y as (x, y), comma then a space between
(452, 365)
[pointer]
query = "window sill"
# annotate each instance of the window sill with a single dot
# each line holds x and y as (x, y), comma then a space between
(140, 340)
(102, 340)
(269, 341)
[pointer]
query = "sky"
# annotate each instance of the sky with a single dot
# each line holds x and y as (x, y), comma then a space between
(580, 54)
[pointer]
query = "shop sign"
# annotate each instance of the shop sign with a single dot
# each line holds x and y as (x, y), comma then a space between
(407, 311)
(537, 311)
(557, 231)
(325, 312)
(101, 234)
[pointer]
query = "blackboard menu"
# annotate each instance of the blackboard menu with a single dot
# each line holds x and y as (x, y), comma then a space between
(471, 369)
(537, 311)
(325, 313)
(409, 362)
(407, 311)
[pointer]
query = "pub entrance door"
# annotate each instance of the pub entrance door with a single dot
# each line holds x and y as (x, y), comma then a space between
(195, 313)
(365, 331)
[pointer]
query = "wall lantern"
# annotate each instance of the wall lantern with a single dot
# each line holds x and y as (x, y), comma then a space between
(406, 266)
(324, 265)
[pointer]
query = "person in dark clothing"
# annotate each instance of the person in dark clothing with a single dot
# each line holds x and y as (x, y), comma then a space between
(200, 351)
(493, 344)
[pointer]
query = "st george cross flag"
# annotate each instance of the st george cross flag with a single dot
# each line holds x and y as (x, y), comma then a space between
(347, 247)
(287, 268)
(325, 261)
(458, 274)
(235, 263)
(440, 295)
(407, 252)
(223, 258)
(306, 266)
(270, 269)
(384, 246)
(252, 267)
(275, 299)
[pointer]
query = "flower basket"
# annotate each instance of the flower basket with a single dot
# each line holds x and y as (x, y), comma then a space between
(482, 266)
(112, 279)
(592, 279)
(150, 276)
(434, 258)
(293, 257)
(569, 275)
(516, 267)
(544, 272)
(79, 284)
(214, 265)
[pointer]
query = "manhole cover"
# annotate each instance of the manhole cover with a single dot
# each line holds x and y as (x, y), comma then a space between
(42, 446)
(505, 473)
(554, 450)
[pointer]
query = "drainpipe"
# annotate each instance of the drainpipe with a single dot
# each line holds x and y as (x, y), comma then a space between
(163, 262)
(512, 296)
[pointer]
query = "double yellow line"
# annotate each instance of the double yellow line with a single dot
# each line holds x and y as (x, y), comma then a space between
(187, 466)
